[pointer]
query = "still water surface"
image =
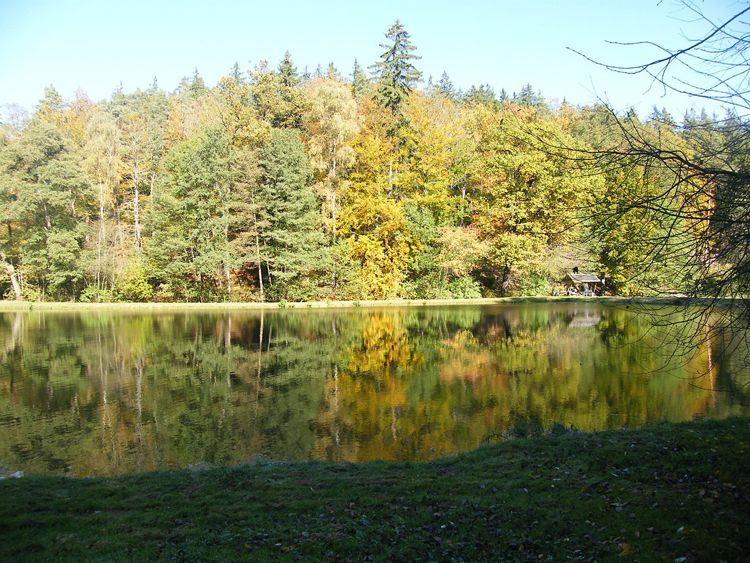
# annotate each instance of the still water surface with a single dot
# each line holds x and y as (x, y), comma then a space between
(106, 393)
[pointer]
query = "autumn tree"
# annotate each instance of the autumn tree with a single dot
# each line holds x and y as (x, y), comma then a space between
(436, 151)
(372, 220)
(102, 161)
(236, 114)
(527, 194)
(623, 236)
(461, 253)
(141, 119)
(52, 108)
(14, 119)
(277, 95)
(333, 123)
(190, 111)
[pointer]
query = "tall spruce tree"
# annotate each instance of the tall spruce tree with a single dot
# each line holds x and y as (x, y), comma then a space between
(528, 98)
(360, 83)
(395, 74)
(190, 252)
(288, 72)
(483, 95)
(445, 87)
(293, 240)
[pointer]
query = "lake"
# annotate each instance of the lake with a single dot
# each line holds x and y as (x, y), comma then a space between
(105, 392)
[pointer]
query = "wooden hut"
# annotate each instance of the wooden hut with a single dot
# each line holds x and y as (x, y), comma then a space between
(583, 284)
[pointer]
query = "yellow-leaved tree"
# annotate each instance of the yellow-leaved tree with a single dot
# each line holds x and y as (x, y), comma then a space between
(372, 217)
(333, 124)
(529, 190)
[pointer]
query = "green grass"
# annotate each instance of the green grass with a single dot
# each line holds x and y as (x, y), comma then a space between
(661, 493)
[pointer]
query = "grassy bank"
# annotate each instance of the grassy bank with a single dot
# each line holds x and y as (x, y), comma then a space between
(678, 493)
(156, 307)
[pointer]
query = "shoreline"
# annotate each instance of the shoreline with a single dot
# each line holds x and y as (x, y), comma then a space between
(9, 306)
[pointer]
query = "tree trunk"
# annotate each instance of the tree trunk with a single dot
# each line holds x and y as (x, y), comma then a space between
(333, 191)
(390, 178)
(258, 259)
(101, 238)
(333, 239)
(225, 214)
(12, 274)
(260, 271)
(47, 221)
(136, 219)
(709, 213)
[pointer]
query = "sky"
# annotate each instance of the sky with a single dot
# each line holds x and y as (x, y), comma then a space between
(96, 45)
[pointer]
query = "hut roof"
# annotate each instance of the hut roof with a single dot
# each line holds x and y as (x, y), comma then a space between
(584, 278)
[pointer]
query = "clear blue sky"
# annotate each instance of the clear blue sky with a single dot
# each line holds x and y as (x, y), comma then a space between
(96, 45)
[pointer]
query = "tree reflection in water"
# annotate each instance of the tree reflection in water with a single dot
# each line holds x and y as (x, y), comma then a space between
(108, 393)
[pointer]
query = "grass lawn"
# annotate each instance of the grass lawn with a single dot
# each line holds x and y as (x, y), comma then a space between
(669, 492)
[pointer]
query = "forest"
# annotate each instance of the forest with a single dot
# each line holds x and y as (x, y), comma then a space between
(278, 184)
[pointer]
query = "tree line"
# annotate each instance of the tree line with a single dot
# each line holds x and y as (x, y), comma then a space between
(280, 185)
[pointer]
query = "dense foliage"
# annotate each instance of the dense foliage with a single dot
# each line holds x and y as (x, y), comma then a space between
(281, 185)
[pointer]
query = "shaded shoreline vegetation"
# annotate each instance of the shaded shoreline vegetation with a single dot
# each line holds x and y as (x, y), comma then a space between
(284, 185)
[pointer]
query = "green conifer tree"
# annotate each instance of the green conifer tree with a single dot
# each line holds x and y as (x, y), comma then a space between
(483, 95)
(360, 83)
(293, 240)
(445, 87)
(395, 74)
(288, 72)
